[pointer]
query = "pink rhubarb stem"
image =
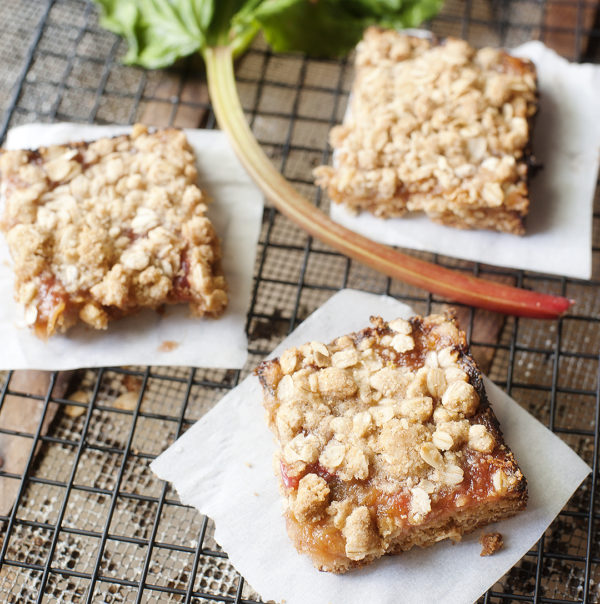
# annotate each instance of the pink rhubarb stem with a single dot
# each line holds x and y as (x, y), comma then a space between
(453, 285)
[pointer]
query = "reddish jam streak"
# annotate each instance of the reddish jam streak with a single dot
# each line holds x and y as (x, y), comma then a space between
(181, 284)
(51, 295)
(291, 482)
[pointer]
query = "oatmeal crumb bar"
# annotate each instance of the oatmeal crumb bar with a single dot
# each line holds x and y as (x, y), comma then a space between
(439, 128)
(386, 441)
(99, 230)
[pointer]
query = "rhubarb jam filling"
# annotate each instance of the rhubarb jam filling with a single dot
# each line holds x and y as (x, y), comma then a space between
(52, 305)
(323, 540)
(181, 291)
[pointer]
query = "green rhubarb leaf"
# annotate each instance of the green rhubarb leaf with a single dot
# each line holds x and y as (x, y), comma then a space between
(158, 32)
(222, 30)
(318, 28)
(331, 27)
(413, 13)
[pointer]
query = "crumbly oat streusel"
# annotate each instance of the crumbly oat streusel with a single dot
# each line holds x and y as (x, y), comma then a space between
(437, 128)
(386, 441)
(491, 543)
(98, 230)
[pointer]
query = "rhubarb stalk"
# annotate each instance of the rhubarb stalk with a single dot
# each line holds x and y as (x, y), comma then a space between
(160, 31)
(454, 285)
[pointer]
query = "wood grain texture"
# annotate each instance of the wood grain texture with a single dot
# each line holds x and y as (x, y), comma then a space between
(24, 414)
(561, 22)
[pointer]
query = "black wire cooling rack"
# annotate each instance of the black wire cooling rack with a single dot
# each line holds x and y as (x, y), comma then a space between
(90, 522)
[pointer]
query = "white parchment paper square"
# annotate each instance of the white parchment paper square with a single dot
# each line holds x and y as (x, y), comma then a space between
(223, 467)
(236, 213)
(566, 142)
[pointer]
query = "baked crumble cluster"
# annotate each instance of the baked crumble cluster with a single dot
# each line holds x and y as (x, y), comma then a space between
(439, 128)
(99, 230)
(491, 543)
(386, 441)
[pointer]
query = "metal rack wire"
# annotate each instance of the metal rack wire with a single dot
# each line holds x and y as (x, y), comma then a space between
(90, 522)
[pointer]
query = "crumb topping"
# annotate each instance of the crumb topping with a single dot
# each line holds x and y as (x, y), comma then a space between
(103, 228)
(491, 543)
(435, 128)
(311, 499)
(374, 440)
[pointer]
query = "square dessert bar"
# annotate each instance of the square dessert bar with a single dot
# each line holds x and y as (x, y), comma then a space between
(439, 128)
(386, 441)
(102, 229)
